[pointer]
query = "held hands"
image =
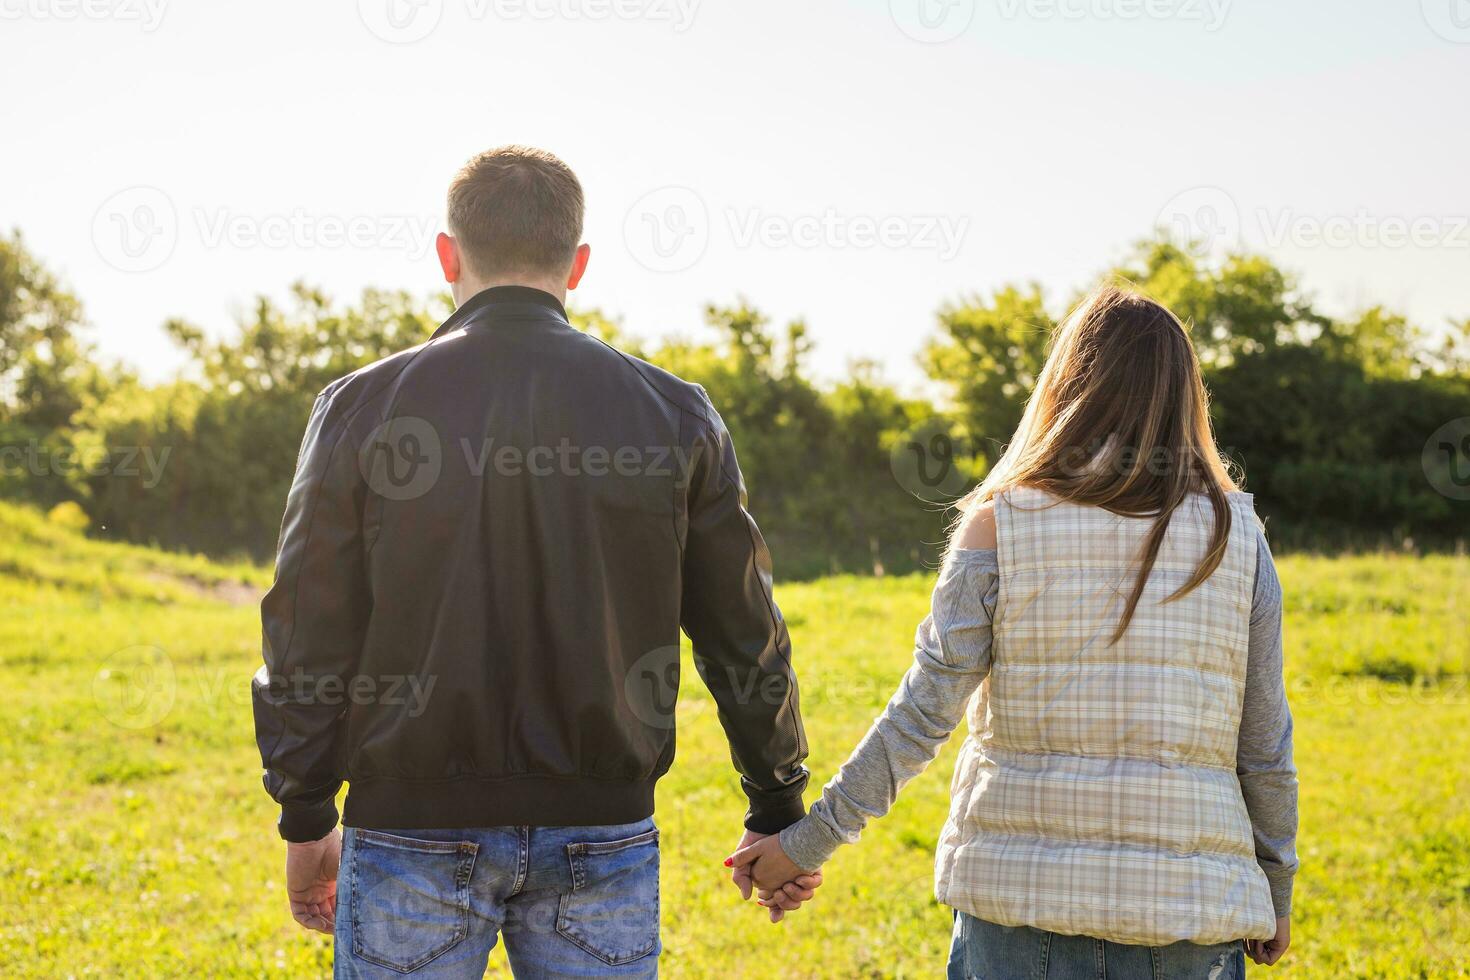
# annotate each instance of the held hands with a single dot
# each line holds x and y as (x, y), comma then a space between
(311, 882)
(761, 865)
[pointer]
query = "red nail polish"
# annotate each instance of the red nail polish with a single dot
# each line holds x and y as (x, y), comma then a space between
(729, 862)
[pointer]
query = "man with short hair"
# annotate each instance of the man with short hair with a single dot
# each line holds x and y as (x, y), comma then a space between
(488, 551)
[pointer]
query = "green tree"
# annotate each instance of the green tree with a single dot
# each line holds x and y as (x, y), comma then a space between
(45, 367)
(815, 460)
(1327, 417)
(47, 375)
(1245, 306)
(988, 354)
(1452, 355)
(1385, 343)
(230, 435)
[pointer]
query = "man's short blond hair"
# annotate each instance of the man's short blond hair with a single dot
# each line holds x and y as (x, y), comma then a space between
(516, 210)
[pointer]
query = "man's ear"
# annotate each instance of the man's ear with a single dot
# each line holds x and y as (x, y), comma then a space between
(448, 251)
(579, 265)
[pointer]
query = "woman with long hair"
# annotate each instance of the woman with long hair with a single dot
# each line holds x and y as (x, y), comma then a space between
(1109, 614)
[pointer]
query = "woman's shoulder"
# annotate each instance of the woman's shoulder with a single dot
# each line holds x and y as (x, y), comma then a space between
(977, 528)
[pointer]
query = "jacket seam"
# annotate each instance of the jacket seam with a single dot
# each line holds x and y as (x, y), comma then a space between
(285, 717)
(327, 397)
(682, 410)
(767, 596)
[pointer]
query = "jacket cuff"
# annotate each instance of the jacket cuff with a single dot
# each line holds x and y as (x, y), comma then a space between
(771, 813)
(809, 843)
(1281, 887)
(304, 823)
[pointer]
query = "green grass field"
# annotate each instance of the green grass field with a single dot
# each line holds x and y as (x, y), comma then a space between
(135, 840)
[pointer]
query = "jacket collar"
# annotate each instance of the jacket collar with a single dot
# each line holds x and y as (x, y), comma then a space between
(499, 301)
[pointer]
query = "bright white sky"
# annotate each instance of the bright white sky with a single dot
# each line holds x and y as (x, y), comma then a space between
(765, 142)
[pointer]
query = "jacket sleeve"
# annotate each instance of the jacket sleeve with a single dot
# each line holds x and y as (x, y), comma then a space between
(952, 657)
(313, 620)
(1268, 777)
(741, 647)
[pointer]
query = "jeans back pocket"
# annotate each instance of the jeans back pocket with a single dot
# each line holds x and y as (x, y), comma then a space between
(612, 909)
(410, 898)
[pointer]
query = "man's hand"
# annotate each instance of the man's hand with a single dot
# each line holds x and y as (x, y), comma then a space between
(783, 885)
(1267, 951)
(311, 881)
(741, 875)
(788, 897)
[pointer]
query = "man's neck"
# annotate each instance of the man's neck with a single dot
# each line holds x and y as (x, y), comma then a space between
(466, 288)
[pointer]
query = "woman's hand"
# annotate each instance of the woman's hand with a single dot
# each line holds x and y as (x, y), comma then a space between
(783, 885)
(790, 896)
(741, 875)
(768, 865)
(1267, 951)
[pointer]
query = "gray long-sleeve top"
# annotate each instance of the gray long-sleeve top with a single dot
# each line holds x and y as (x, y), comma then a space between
(931, 700)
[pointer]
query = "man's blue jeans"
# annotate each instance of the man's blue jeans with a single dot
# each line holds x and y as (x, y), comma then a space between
(985, 951)
(570, 901)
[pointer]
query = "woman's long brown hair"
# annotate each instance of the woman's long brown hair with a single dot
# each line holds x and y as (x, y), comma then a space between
(1120, 420)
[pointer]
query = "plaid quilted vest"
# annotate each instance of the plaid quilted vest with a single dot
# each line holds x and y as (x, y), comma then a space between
(1096, 792)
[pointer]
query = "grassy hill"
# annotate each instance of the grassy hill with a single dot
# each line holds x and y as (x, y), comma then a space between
(39, 553)
(135, 839)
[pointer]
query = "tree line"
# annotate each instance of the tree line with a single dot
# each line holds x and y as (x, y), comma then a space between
(1329, 420)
